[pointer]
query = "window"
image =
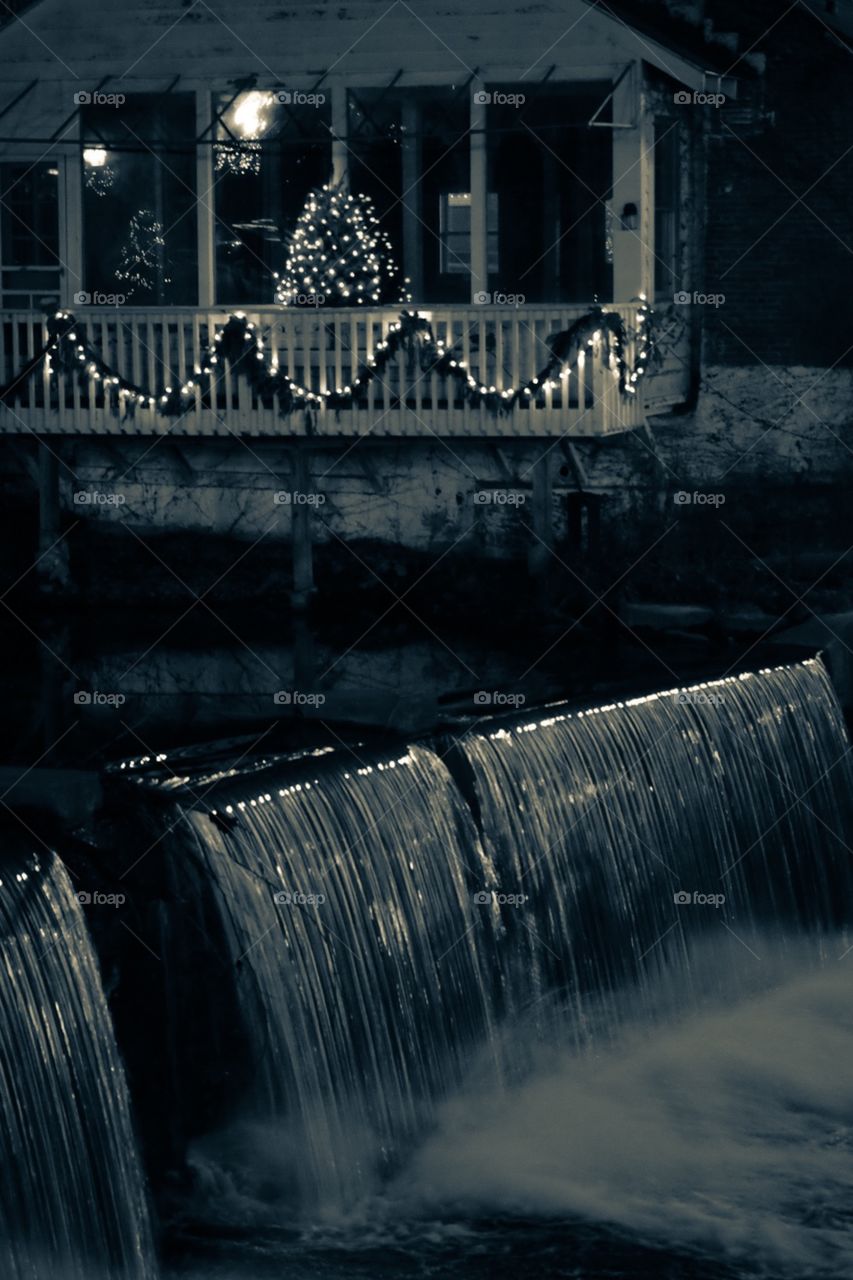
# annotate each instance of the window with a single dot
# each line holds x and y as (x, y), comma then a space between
(455, 233)
(667, 209)
(270, 152)
(139, 205)
(29, 236)
(552, 174)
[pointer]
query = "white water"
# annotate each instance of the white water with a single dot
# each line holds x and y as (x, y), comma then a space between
(727, 1130)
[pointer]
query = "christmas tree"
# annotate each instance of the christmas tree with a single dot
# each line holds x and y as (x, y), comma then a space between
(142, 261)
(339, 256)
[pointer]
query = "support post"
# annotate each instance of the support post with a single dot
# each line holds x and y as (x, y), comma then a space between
(539, 554)
(479, 194)
(205, 196)
(340, 131)
(633, 185)
(71, 226)
(413, 265)
(302, 550)
(52, 564)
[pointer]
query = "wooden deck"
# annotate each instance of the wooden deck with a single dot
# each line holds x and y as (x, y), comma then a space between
(320, 350)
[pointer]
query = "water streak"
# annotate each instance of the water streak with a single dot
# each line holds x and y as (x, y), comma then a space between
(73, 1205)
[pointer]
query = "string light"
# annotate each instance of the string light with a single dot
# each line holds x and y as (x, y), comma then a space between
(238, 340)
(338, 254)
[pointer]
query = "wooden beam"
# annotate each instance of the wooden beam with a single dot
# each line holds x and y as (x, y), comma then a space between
(205, 196)
(413, 265)
(302, 551)
(71, 223)
(340, 131)
(539, 553)
(631, 246)
(479, 194)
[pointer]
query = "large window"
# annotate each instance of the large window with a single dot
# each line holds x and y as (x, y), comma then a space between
(271, 150)
(552, 172)
(29, 236)
(667, 208)
(139, 205)
(410, 152)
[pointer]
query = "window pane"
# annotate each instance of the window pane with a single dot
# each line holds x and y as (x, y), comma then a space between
(667, 207)
(29, 236)
(139, 207)
(552, 174)
(270, 153)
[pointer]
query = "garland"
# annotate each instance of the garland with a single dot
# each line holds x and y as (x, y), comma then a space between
(238, 344)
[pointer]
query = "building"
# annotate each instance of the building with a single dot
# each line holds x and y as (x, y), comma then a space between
(529, 165)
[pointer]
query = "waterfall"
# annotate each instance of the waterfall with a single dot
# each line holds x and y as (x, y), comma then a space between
(386, 919)
(73, 1205)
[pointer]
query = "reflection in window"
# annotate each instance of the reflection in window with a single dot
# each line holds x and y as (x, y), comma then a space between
(667, 208)
(455, 231)
(29, 236)
(139, 205)
(270, 152)
(553, 175)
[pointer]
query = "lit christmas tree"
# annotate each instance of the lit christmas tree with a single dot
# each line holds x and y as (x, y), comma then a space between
(339, 255)
(142, 257)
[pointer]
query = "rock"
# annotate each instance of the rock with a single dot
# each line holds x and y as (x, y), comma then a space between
(666, 617)
(831, 633)
(746, 622)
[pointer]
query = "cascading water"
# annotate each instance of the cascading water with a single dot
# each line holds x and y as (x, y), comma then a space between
(347, 903)
(630, 829)
(381, 945)
(73, 1204)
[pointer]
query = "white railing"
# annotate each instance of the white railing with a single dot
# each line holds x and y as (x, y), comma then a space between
(319, 350)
